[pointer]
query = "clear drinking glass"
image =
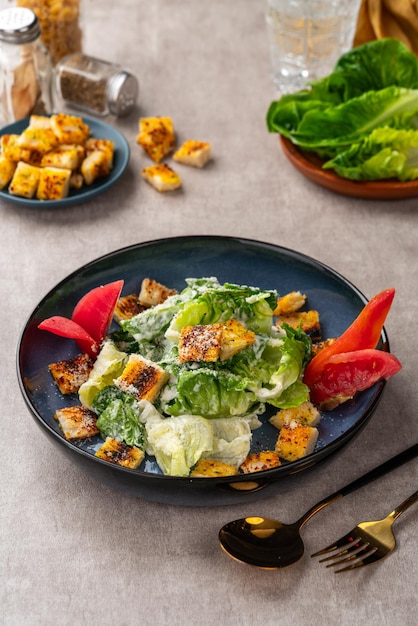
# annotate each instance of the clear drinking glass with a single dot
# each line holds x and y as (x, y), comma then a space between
(307, 37)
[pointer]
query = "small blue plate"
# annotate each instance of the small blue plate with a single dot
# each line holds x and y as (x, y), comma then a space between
(99, 130)
(170, 261)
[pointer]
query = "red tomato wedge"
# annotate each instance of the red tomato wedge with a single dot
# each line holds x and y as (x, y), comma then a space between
(64, 327)
(364, 333)
(346, 373)
(95, 310)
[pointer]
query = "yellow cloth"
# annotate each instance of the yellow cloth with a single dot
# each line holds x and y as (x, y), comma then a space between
(388, 18)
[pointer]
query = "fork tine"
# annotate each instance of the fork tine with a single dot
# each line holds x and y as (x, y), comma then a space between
(342, 543)
(350, 549)
(354, 562)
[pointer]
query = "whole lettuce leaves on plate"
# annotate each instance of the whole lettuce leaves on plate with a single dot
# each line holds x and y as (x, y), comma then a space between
(374, 86)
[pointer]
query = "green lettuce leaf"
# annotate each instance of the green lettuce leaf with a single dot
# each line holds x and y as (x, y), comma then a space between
(119, 416)
(179, 442)
(386, 153)
(109, 365)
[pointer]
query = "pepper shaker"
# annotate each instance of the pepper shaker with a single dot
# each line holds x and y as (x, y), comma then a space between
(25, 67)
(95, 86)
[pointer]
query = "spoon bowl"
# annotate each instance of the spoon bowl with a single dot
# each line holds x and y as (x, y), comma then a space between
(270, 544)
(264, 542)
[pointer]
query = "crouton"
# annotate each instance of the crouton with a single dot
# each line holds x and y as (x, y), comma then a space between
(142, 378)
(305, 414)
(40, 139)
(120, 453)
(127, 307)
(206, 468)
(235, 337)
(200, 343)
(153, 293)
(162, 177)
(25, 180)
(7, 169)
(66, 156)
(307, 320)
(257, 462)
(103, 145)
(70, 374)
(296, 442)
(11, 149)
(195, 153)
(54, 183)
(77, 422)
(94, 166)
(320, 345)
(156, 137)
(69, 129)
(289, 303)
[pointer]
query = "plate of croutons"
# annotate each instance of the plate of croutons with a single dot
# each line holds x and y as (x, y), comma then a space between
(59, 160)
(204, 426)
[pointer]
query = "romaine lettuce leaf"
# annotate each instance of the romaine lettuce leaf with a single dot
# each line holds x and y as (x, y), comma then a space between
(208, 392)
(119, 416)
(249, 305)
(385, 153)
(109, 365)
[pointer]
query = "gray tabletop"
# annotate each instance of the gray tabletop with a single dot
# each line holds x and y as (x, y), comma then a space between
(76, 552)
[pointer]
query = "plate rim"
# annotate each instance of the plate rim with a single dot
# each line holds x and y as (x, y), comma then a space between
(268, 476)
(309, 165)
(88, 193)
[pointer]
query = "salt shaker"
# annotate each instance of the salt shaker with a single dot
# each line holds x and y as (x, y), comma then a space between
(95, 86)
(25, 67)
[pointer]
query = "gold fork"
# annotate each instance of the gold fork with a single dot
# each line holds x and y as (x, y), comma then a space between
(367, 542)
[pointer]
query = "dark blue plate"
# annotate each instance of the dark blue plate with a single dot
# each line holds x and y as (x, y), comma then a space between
(99, 130)
(170, 261)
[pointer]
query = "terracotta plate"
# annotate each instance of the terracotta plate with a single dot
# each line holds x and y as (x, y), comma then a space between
(311, 166)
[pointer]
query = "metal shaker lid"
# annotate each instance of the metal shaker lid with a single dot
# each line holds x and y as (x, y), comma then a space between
(122, 93)
(18, 25)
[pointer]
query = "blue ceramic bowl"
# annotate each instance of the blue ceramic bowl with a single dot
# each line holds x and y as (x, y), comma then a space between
(170, 261)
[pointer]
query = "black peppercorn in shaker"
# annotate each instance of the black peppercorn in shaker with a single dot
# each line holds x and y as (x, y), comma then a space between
(95, 86)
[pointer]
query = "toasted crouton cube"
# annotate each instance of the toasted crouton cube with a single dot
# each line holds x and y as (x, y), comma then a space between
(195, 153)
(290, 303)
(305, 414)
(205, 468)
(77, 422)
(70, 374)
(76, 180)
(69, 128)
(94, 166)
(11, 149)
(40, 139)
(200, 343)
(307, 320)
(7, 169)
(39, 121)
(120, 453)
(296, 442)
(68, 157)
(162, 177)
(257, 462)
(127, 307)
(320, 345)
(153, 293)
(54, 183)
(235, 337)
(142, 378)
(156, 137)
(103, 145)
(25, 180)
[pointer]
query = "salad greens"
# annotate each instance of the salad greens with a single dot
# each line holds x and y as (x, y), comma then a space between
(206, 409)
(362, 118)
